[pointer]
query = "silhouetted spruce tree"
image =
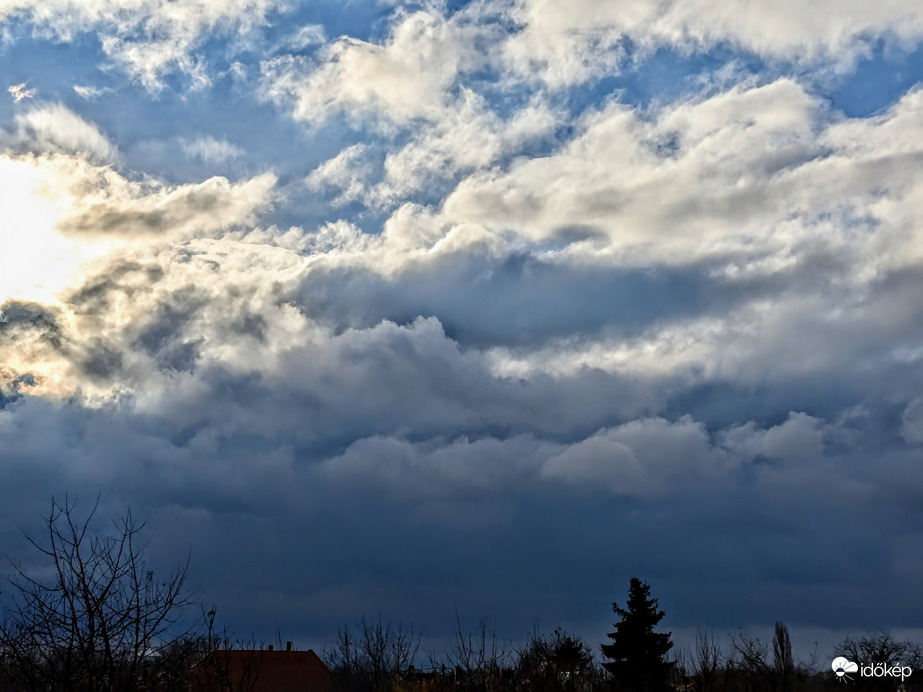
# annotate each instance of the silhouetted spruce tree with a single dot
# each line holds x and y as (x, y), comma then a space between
(637, 653)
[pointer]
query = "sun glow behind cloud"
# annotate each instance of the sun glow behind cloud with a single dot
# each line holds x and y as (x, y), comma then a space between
(37, 262)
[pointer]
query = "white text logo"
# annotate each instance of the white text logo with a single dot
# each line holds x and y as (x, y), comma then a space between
(842, 667)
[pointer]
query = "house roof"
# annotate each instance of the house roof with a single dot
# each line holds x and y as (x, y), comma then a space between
(260, 670)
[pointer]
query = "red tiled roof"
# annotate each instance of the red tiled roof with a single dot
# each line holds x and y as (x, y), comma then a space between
(261, 671)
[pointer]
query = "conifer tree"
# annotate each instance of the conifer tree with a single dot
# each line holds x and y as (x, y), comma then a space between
(637, 653)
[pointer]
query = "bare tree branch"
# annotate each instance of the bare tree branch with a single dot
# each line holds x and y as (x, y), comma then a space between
(97, 620)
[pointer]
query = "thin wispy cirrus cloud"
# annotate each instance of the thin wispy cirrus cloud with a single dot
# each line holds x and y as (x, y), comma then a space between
(397, 307)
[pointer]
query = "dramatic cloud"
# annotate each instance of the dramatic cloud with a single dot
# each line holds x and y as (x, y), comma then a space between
(491, 304)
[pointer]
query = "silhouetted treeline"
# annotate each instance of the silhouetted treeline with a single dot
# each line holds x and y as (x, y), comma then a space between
(382, 656)
(747, 664)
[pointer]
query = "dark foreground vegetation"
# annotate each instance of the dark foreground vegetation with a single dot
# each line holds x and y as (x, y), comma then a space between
(378, 656)
(93, 618)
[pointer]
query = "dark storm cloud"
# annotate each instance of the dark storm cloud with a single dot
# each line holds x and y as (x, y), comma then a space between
(11, 384)
(366, 383)
(31, 331)
(368, 462)
(165, 336)
(22, 321)
(515, 301)
(520, 299)
(101, 360)
(442, 521)
(120, 278)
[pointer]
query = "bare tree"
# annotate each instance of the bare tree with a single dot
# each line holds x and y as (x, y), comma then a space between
(95, 618)
(753, 661)
(881, 648)
(781, 673)
(705, 660)
(479, 659)
(374, 658)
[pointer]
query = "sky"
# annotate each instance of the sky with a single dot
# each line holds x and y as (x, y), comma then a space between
(408, 307)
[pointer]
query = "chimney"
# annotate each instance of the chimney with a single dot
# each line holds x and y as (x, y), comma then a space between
(270, 647)
(288, 646)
